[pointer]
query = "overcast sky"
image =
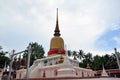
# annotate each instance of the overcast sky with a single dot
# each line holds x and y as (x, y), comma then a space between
(90, 25)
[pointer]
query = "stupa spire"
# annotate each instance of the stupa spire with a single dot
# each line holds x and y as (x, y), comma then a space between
(57, 31)
(56, 43)
(104, 73)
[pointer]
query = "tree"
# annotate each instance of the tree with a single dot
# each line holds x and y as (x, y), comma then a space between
(69, 53)
(97, 63)
(109, 61)
(81, 54)
(3, 58)
(88, 59)
(37, 52)
(74, 53)
(113, 61)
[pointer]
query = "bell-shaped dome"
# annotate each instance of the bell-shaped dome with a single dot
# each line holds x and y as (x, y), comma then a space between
(56, 43)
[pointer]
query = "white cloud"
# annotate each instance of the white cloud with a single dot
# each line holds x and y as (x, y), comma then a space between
(115, 26)
(81, 21)
(117, 40)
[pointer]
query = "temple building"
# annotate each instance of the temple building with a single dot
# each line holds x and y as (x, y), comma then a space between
(57, 64)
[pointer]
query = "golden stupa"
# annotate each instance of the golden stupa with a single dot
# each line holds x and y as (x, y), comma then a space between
(56, 43)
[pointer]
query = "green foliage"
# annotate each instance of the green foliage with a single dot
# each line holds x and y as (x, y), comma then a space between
(3, 58)
(74, 53)
(69, 53)
(37, 52)
(81, 54)
(88, 59)
(95, 62)
(109, 61)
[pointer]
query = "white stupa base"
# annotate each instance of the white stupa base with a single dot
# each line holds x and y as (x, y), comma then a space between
(66, 72)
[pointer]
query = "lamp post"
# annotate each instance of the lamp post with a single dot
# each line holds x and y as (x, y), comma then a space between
(117, 56)
(28, 61)
(11, 62)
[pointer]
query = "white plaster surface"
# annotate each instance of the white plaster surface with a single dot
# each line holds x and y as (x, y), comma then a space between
(93, 79)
